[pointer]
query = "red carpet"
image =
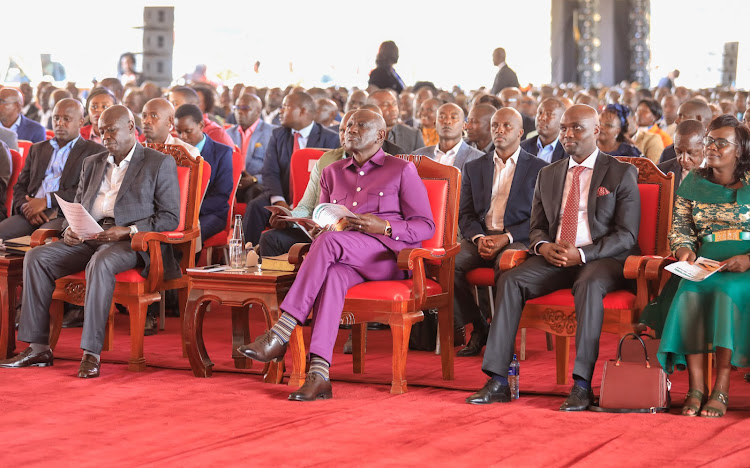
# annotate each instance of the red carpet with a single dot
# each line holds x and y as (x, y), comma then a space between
(167, 417)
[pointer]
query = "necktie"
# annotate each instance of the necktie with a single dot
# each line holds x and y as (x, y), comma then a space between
(297, 136)
(569, 228)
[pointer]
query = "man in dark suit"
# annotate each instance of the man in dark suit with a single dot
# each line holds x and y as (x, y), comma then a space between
(477, 127)
(451, 150)
(506, 77)
(496, 193)
(251, 135)
(511, 97)
(688, 144)
(584, 224)
(128, 189)
(52, 167)
(11, 104)
(404, 136)
(297, 131)
(215, 204)
(694, 109)
(546, 144)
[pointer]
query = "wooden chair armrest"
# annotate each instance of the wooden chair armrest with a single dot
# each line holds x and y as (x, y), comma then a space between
(635, 266)
(297, 253)
(40, 236)
(655, 267)
(511, 258)
(140, 241)
(407, 257)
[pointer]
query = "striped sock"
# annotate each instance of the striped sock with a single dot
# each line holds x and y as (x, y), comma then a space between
(284, 327)
(319, 366)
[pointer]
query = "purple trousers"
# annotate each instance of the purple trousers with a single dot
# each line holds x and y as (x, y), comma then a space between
(336, 262)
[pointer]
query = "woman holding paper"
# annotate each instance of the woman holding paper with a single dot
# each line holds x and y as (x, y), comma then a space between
(712, 220)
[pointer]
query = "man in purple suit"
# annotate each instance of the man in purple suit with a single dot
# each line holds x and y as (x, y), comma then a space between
(393, 213)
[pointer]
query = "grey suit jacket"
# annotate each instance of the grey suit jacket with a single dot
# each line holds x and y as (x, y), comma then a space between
(9, 137)
(673, 166)
(407, 138)
(613, 218)
(465, 154)
(149, 197)
(256, 149)
(35, 167)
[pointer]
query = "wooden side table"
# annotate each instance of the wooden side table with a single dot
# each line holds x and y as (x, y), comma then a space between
(11, 276)
(240, 290)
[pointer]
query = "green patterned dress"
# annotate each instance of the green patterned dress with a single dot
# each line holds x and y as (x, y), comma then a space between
(697, 317)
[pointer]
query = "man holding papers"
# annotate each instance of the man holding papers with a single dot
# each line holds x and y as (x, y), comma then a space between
(126, 189)
(393, 213)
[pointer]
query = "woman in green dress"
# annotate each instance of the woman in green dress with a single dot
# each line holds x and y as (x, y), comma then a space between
(712, 220)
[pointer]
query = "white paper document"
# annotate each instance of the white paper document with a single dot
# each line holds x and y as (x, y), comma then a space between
(79, 219)
(701, 269)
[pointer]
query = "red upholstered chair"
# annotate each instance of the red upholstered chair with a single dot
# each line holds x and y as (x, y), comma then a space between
(131, 289)
(400, 303)
(18, 162)
(221, 239)
(300, 168)
(23, 147)
(50, 134)
(555, 312)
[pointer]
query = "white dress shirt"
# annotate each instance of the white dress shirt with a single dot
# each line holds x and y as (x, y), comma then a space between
(104, 203)
(449, 157)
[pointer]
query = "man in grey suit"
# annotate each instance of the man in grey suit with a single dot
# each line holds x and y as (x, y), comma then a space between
(584, 224)
(52, 167)
(404, 136)
(688, 145)
(251, 135)
(9, 137)
(128, 189)
(451, 150)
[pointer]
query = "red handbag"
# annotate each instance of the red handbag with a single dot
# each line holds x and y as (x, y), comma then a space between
(633, 387)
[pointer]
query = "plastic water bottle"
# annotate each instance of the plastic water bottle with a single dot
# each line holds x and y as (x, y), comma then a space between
(513, 373)
(237, 245)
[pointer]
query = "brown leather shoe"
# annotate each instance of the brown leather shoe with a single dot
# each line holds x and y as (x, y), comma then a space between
(268, 347)
(89, 367)
(314, 388)
(26, 358)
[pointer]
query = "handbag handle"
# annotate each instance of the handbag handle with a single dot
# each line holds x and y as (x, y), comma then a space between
(619, 349)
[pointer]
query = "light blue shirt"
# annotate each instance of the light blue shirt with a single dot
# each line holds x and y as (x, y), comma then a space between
(51, 182)
(16, 124)
(545, 152)
(201, 144)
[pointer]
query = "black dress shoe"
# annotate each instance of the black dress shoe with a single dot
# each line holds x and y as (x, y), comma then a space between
(268, 347)
(73, 317)
(314, 388)
(578, 400)
(151, 327)
(377, 326)
(459, 336)
(475, 345)
(27, 358)
(492, 392)
(89, 368)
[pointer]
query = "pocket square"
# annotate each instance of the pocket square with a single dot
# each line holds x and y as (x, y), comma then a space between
(602, 191)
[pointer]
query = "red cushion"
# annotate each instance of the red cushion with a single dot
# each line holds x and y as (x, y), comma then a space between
(437, 193)
(299, 171)
(481, 277)
(396, 290)
(129, 276)
(649, 218)
(183, 179)
(218, 239)
(564, 297)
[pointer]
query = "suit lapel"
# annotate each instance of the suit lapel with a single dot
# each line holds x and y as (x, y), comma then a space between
(94, 182)
(520, 174)
(558, 153)
(600, 170)
(43, 163)
(460, 156)
(254, 138)
(558, 184)
(312, 140)
(488, 171)
(137, 161)
(75, 153)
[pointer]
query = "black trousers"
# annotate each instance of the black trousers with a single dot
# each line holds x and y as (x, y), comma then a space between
(278, 241)
(535, 277)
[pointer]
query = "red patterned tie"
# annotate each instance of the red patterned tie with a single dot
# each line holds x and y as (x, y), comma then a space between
(297, 136)
(569, 227)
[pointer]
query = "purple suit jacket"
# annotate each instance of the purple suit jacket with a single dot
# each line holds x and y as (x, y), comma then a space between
(387, 187)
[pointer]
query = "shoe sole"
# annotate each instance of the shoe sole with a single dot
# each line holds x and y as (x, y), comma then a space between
(36, 364)
(322, 396)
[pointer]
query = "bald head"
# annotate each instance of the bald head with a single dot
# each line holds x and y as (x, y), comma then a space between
(12, 100)
(694, 109)
(478, 125)
(510, 97)
(506, 127)
(67, 120)
(157, 119)
(183, 95)
(365, 133)
(342, 126)
(117, 129)
(326, 111)
(579, 130)
(356, 100)
(449, 125)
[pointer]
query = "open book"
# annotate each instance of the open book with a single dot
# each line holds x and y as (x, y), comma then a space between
(325, 214)
(701, 269)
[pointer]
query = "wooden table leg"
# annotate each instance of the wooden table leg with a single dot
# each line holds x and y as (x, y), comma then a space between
(193, 335)
(240, 336)
(8, 319)
(299, 361)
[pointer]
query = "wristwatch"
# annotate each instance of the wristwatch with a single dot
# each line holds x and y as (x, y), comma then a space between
(388, 230)
(133, 230)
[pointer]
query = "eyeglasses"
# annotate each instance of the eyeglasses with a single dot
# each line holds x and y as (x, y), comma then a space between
(721, 143)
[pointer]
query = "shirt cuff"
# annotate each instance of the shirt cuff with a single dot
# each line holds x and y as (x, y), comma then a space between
(583, 257)
(277, 198)
(49, 200)
(474, 239)
(510, 237)
(536, 246)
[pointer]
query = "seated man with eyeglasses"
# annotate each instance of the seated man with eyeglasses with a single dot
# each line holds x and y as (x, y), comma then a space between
(251, 135)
